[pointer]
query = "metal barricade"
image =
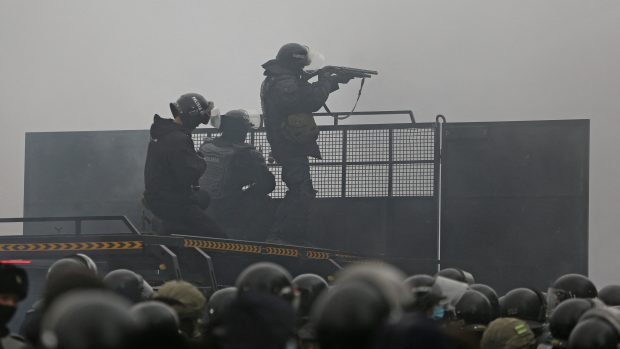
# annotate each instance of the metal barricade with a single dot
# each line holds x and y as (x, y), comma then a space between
(371, 160)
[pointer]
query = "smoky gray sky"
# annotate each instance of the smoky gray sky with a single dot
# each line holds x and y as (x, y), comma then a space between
(109, 65)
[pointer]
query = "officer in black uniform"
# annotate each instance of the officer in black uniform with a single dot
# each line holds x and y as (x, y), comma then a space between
(13, 289)
(288, 101)
(173, 168)
(237, 180)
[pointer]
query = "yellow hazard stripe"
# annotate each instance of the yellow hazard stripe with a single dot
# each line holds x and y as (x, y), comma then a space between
(72, 246)
(317, 255)
(240, 247)
(222, 246)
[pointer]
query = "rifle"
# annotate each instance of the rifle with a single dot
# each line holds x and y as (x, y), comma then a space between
(352, 72)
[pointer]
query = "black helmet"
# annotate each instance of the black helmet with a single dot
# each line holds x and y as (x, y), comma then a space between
(266, 277)
(597, 329)
(473, 308)
(566, 315)
(349, 315)
(574, 286)
(66, 265)
(87, 261)
(610, 295)
(310, 286)
(193, 109)
(156, 318)
(526, 304)
(13, 280)
(457, 274)
(88, 319)
(491, 296)
(236, 120)
(385, 278)
(425, 293)
(219, 302)
(293, 55)
(128, 284)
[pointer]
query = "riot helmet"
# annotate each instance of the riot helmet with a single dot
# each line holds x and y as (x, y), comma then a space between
(294, 56)
(193, 109)
(235, 125)
(526, 304)
(66, 265)
(385, 278)
(491, 295)
(569, 286)
(566, 315)
(91, 319)
(473, 308)
(128, 284)
(596, 329)
(266, 277)
(350, 315)
(310, 286)
(610, 295)
(87, 261)
(457, 274)
(155, 318)
(219, 303)
(425, 292)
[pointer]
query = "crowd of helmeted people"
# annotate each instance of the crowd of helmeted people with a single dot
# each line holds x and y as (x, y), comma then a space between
(366, 305)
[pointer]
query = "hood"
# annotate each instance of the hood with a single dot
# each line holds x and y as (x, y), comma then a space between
(162, 127)
(273, 67)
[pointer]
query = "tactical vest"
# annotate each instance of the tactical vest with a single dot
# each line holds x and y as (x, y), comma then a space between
(219, 160)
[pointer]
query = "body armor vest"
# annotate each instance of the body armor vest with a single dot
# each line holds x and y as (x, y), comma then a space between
(216, 178)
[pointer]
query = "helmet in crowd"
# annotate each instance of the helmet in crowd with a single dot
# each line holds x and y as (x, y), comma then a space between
(425, 292)
(193, 109)
(266, 277)
(293, 55)
(610, 295)
(66, 265)
(87, 261)
(156, 318)
(508, 333)
(574, 286)
(473, 308)
(91, 319)
(566, 315)
(349, 315)
(236, 120)
(128, 284)
(457, 274)
(13, 281)
(185, 298)
(491, 296)
(526, 304)
(219, 302)
(386, 279)
(310, 286)
(597, 329)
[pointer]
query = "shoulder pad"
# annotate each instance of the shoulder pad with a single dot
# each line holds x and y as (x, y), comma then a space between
(286, 84)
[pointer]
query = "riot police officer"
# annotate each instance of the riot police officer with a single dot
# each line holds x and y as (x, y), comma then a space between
(173, 168)
(237, 179)
(288, 101)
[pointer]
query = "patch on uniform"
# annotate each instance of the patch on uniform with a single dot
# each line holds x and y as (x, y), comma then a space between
(521, 329)
(18, 279)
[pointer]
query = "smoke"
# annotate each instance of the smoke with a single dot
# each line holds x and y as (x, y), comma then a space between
(317, 59)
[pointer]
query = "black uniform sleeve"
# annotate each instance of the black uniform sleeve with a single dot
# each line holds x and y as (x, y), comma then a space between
(186, 165)
(252, 165)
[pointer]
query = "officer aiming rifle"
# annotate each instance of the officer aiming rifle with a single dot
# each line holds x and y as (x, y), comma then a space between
(335, 70)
